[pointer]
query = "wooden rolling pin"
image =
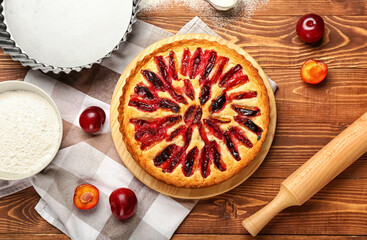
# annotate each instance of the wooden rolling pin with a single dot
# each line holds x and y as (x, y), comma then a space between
(312, 176)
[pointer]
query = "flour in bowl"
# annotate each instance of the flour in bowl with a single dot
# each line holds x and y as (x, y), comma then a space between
(29, 132)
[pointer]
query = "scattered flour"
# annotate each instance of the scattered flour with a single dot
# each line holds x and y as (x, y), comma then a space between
(244, 9)
(29, 133)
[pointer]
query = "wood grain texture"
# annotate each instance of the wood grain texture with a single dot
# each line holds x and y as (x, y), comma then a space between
(339, 209)
(308, 118)
(337, 101)
(17, 214)
(264, 237)
(13, 74)
(7, 63)
(34, 236)
(314, 174)
(343, 45)
(273, 7)
(191, 237)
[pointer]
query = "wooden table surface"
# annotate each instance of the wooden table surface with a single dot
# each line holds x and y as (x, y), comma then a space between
(308, 118)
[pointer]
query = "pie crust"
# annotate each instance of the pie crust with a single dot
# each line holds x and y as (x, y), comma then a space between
(221, 142)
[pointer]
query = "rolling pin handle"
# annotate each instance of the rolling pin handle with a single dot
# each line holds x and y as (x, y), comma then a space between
(257, 221)
(313, 175)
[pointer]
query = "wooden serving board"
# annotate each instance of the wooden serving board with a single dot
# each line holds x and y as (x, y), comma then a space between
(170, 190)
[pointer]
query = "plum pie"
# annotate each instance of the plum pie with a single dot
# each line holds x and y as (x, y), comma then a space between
(193, 113)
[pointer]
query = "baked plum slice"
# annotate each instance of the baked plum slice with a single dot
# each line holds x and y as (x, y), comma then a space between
(205, 93)
(185, 61)
(195, 62)
(240, 135)
(143, 92)
(205, 161)
(249, 124)
(231, 146)
(246, 111)
(209, 65)
(164, 155)
(190, 159)
(193, 115)
(228, 75)
(214, 128)
(243, 95)
(189, 89)
(217, 158)
(168, 104)
(172, 65)
(154, 80)
(219, 103)
(142, 106)
(150, 132)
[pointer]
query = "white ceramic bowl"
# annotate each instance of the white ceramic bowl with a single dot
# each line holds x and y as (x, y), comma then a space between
(19, 85)
(225, 6)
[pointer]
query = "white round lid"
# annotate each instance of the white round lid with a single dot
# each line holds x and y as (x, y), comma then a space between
(67, 33)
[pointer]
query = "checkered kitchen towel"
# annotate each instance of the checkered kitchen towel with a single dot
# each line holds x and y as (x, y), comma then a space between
(157, 215)
(93, 159)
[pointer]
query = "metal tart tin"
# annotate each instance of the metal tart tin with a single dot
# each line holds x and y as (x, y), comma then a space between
(10, 46)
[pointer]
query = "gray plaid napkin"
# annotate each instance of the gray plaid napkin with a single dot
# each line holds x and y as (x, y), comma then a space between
(157, 215)
(94, 160)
